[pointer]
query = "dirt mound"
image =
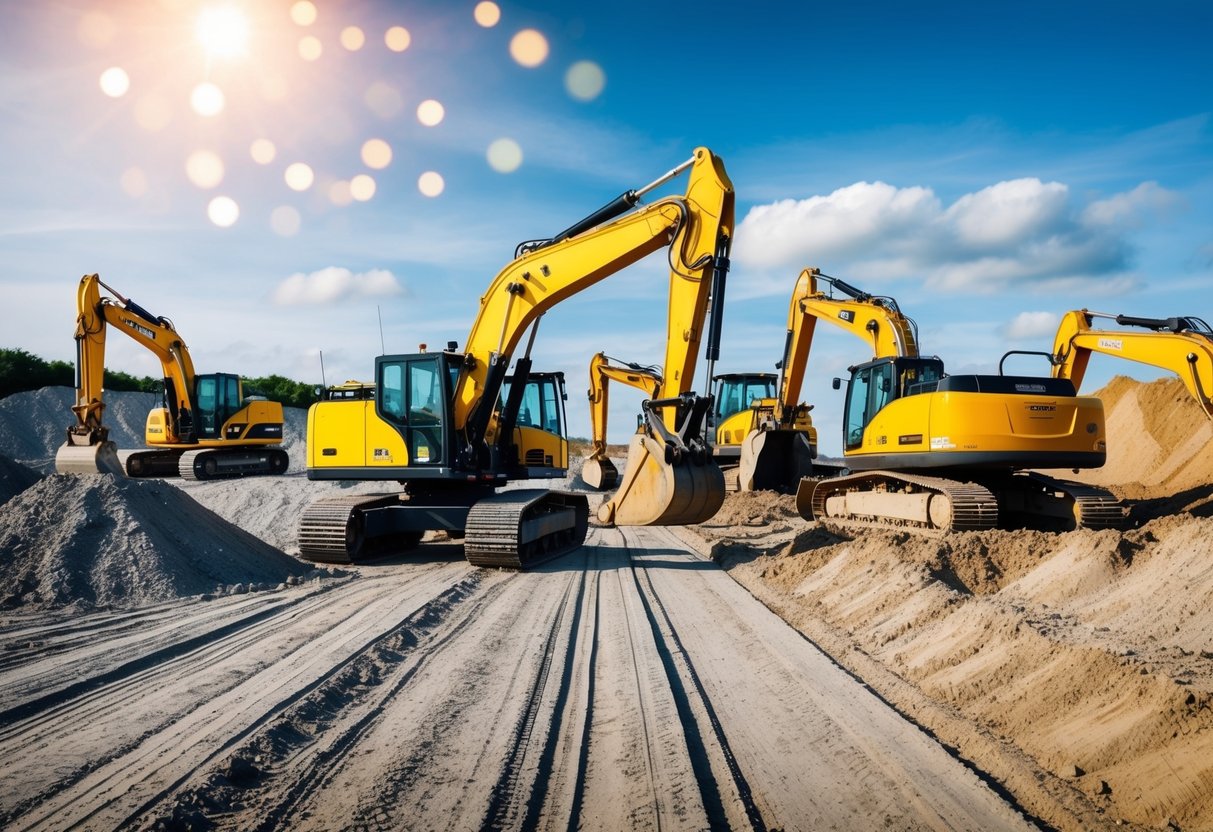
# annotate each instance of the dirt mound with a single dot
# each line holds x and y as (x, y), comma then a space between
(1160, 442)
(33, 423)
(98, 540)
(14, 478)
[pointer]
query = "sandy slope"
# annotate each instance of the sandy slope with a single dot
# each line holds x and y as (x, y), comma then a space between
(624, 686)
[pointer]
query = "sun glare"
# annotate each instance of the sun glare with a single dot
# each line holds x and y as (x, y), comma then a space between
(223, 211)
(115, 82)
(223, 31)
(207, 99)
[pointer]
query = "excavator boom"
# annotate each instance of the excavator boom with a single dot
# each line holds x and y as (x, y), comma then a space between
(597, 470)
(1183, 345)
(206, 429)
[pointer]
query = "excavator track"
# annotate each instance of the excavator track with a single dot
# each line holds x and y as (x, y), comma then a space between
(224, 463)
(1088, 506)
(519, 529)
(333, 529)
(899, 499)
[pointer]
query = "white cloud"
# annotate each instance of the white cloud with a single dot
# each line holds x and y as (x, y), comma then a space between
(1129, 209)
(1019, 234)
(1030, 326)
(335, 284)
(1007, 213)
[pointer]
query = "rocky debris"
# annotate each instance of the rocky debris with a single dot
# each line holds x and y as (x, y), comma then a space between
(14, 478)
(103, 541)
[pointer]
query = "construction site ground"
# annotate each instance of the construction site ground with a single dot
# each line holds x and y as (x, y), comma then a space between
(169, 663)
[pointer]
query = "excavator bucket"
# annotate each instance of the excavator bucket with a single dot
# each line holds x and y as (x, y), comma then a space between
(599, 474)
(654, 492)
(100, 458)
(774, 460)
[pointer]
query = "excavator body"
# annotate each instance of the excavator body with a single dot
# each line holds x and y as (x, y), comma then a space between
(449, 426)
(206, 427)
(930, 450)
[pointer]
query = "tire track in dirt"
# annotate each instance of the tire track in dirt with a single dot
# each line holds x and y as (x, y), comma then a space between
(216, 695)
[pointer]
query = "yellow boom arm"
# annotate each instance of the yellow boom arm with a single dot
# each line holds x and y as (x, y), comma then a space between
(1182, 345)
(602, 371)
(696, 229)
(94, 313)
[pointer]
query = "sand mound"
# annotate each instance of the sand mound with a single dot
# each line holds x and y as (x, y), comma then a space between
(98, 540)
(33, 424)
(1160, 443)
(14, 478)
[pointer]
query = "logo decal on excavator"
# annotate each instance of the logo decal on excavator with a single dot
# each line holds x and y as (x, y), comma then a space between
(1042, 408)
(382, 455)
(941, 443)
(142, 330)
(1111, 344)
(847, 315)
(1029, 388)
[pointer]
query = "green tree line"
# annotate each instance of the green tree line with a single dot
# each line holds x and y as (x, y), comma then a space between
(21, 370)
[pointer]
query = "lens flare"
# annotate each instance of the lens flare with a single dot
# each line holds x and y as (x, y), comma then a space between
(204, 168)
(299, 176)
(487, 14)
(207, 99)
(376, 154)
(115, 82)
(529, 48)
(585, 80)
(397, 38)
(310, 48)
(263, 151)
(339, 193)
(504, 155)
(362, 187)
(431, 112)
(223, 211)
(285, 221)
(303, 13)
(383, 100)
(134, 182)
(430, 183)
(223, 31)
(352, 38)
(153, 113)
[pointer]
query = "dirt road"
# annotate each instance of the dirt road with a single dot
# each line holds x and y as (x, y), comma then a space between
(631, 684)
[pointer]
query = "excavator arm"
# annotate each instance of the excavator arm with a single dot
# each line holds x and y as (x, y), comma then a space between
(87, 447)
(597, 470)
(771, 454)
(1183, 345)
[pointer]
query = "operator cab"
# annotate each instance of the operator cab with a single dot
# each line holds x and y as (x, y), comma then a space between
(217, 397)
(736, 392)
(876, 383)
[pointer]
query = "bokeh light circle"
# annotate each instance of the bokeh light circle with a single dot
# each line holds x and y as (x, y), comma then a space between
(299, 176)
(114, 82)
(362, 187)
(223, 31)
(285, 220)
(134, 182)
(352, 38)
(207, 99)
(383, 100)
(430, 183)
(339, 193)
(204, 169)
(96, 29)
(310, 48)
(303, 13)
(223, 211)
(430, 112)
(585, 80)
(504, 155)
(376, 154)
(397, 38)
(487, 14)
(262, 151)
(153, 113)
(529, 48)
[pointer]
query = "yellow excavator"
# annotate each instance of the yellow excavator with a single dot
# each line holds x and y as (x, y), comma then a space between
(205, 429)
(952, 452)
(597, 470)
(439, 425)
(1183, 345)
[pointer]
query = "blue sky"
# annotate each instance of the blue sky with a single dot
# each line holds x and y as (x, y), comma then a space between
(990, 165)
